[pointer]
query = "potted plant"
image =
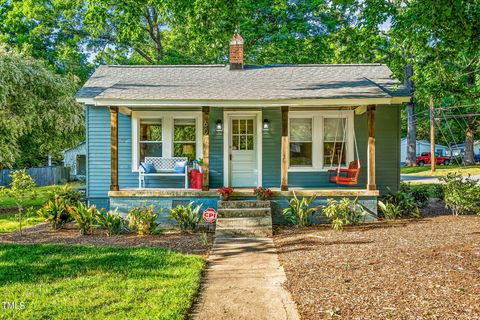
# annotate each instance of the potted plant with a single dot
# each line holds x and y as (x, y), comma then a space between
(225, 193)
(262, 193)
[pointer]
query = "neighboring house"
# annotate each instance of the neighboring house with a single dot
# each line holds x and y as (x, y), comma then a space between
(422, 146)
(275, 126)
(76, 159)
(459, 149)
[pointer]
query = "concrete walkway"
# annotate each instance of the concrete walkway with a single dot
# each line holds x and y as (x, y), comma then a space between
(244, 281)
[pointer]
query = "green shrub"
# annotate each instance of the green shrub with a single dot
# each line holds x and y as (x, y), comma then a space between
(84, 216)
(112, 222)
(69, 194)
(144, 219)
(343, 212)
(390, 211)
(299, 211)
(461, 194)
(187, 217)
(408, 205)
(422, 192)
(55, 211)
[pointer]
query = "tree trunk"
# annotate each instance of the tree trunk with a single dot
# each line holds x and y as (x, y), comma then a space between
(411, 121)
(469, 158)
(411, 135)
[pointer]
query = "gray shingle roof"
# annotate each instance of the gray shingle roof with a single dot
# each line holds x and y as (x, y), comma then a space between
(217, 82)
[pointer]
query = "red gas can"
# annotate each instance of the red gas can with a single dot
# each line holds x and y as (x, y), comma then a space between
(196, 179)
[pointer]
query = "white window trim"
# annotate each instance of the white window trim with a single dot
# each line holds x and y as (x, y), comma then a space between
(317, 137)
(168, 118)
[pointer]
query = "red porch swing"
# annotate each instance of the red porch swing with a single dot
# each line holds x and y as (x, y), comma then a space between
(344, 176)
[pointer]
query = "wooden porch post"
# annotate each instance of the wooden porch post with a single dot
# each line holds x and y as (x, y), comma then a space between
(206, 148)
(114, 149)
(285, 150)
(371, 179)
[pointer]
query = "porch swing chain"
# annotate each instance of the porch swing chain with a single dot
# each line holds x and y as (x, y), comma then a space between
(332, 153)
(343, 144)
(343, 141)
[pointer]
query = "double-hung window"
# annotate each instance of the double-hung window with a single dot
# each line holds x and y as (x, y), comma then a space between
(150, 140)
(320, 140)
(184, 138)
(301, 142)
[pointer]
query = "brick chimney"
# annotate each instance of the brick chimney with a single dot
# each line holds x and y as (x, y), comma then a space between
(236, 52)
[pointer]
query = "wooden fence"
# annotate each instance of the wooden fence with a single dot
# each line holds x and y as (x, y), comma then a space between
(43, 176)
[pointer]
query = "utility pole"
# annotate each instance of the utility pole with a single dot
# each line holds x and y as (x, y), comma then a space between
(433, 162)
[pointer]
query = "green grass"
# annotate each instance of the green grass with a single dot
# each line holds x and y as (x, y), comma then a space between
(42, 196)
(9, 222)
(441, 170)
(83, 282)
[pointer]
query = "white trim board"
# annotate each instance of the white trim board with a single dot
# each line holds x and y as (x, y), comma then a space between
(226, 141)
(245, 103)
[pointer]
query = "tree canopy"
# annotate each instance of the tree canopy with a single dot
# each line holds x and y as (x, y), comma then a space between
(38, 112)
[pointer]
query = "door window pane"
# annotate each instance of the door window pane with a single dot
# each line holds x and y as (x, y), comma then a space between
(184, 138)
(301, 142)
(242, 134)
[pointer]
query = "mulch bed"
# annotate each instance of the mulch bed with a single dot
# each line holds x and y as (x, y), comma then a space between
(408, 269)
(188, 243)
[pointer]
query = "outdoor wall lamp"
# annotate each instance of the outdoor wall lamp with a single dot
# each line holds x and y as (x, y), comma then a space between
(219, 125)
(266, 124)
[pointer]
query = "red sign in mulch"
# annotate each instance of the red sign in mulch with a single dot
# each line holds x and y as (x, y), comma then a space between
(210, 215)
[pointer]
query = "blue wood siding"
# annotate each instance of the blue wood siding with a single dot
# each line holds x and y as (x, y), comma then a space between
(216, 149)
(272, 146)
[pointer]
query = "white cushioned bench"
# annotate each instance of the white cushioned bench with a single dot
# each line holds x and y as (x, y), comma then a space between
(164, 167)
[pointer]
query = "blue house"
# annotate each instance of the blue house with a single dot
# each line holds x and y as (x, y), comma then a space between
(278, 126)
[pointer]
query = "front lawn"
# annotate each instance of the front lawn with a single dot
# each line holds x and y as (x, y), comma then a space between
(85, 282)
(42, 196)
(9, 222)
(441, 170)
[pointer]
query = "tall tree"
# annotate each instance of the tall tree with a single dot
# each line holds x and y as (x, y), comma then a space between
(36, 106)
(44, 30)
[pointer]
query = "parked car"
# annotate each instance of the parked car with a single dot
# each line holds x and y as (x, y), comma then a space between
(424, 159)
(477, 157)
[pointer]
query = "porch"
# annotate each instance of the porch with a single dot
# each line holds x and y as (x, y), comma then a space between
(272, 148)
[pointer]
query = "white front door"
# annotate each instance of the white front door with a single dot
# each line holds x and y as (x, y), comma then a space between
(243, 151)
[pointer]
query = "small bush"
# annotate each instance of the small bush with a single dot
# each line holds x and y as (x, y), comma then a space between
(112, 222)
(461, 194)
(69, 194)
(299, 211)
(343, 212)
(55, 211)
(187, 217)
(406, 203)
(85, 216)
(390, 211)
(143, 219)
(423, 192)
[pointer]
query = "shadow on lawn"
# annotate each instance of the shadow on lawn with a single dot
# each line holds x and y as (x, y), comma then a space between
(31, 263)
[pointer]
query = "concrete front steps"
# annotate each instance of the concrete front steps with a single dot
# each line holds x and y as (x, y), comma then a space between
(244, 218)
